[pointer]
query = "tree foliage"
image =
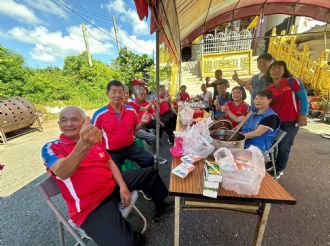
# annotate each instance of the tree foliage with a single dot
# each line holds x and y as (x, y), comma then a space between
(13, 73)
(75, 84)
(131, 66)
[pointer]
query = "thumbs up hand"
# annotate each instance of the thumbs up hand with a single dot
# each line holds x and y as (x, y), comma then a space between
(89, 134)
(235, 76)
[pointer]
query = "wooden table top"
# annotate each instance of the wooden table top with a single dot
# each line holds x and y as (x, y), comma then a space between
(192, 186)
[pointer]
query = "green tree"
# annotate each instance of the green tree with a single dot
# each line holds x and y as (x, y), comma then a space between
(13, 73)
(131, 66)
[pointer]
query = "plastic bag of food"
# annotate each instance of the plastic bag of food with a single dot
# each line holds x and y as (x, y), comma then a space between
(242, 170)
(197, 145)
(201, 128)
(186, 115)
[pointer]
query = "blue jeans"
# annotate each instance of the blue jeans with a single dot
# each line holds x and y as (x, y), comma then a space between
(291, 128)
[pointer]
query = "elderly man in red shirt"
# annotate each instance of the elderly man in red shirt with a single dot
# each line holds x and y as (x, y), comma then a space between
(92, 185)
(142, 107)
(118, 123)
(149, 137)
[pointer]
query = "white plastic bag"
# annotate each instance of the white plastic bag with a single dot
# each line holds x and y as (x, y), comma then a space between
(197, 145)
(186, 115)
(242, 170)
(201, 128)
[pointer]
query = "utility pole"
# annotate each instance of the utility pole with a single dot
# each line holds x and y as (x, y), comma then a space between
(86, 44)
(116, 32)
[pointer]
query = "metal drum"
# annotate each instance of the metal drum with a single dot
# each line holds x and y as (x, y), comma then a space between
(220, 139)
(16, 113)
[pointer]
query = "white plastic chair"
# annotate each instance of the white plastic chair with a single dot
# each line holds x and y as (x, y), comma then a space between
(273, 150)
(48, 189)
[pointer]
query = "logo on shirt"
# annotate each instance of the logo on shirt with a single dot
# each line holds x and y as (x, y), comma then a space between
(101, 154)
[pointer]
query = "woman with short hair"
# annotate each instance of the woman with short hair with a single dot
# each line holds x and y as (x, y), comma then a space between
(262, 126)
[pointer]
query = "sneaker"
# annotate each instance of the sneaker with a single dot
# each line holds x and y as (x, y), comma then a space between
(139, 239)
(170, 142)
(161, 213)
(278, 174)
(161, 160)
(269, 166)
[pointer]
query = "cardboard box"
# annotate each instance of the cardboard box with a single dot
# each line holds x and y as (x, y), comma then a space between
(212, 172)
(183, 169)
(212, 179)
(190, 158)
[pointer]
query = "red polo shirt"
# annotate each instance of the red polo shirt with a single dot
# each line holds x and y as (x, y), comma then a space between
(134, 105)
(117, 129)
(137, 104)
(89, 185)
(164, 106)
(284, 102)
(183, 96)
(237, 110)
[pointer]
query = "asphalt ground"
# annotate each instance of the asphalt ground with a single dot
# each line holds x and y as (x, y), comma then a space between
(25, 219)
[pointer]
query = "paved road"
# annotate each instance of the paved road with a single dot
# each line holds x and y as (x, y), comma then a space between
(26, 220)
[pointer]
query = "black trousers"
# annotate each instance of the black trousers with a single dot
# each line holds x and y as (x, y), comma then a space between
(134, 153)
(152, 125)
(106, 225)
(169, 120)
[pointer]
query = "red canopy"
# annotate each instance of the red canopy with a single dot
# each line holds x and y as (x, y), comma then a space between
(182, 21)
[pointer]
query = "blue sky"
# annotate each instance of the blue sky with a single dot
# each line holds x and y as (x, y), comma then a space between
(46, 31)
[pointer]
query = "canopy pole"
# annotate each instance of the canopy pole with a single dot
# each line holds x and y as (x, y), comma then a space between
(325, 36)
(157, 91)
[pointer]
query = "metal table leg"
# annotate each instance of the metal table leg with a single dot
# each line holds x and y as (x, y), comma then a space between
(262, 222)
(177, 221)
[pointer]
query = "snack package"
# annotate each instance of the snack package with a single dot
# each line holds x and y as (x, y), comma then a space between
(212, 179)
(212, 172)
(183, 169)
(209, 192)
(190, 158)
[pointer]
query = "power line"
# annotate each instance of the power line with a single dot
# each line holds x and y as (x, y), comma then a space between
(96, 16)
(88, 13)
(107, 18)
(100, 29)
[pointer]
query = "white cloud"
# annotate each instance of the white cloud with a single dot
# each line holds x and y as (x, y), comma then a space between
(116, 6)
(132, 41)
(127, 14)
(51, 46)
(19, 12)
(47, 6)
(139, 27)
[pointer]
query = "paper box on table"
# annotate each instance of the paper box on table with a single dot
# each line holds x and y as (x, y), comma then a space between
(212, 172)
(212, 179)
(183, 170)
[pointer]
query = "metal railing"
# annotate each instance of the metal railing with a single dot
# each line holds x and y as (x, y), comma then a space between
(232, 41)
(314, 73)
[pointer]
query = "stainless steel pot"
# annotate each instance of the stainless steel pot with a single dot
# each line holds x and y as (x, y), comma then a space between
(221, 124)
(220, 139)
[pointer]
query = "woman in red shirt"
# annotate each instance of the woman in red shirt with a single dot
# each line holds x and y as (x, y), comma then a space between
(183, 95)
(290, 103)
(236, 109)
